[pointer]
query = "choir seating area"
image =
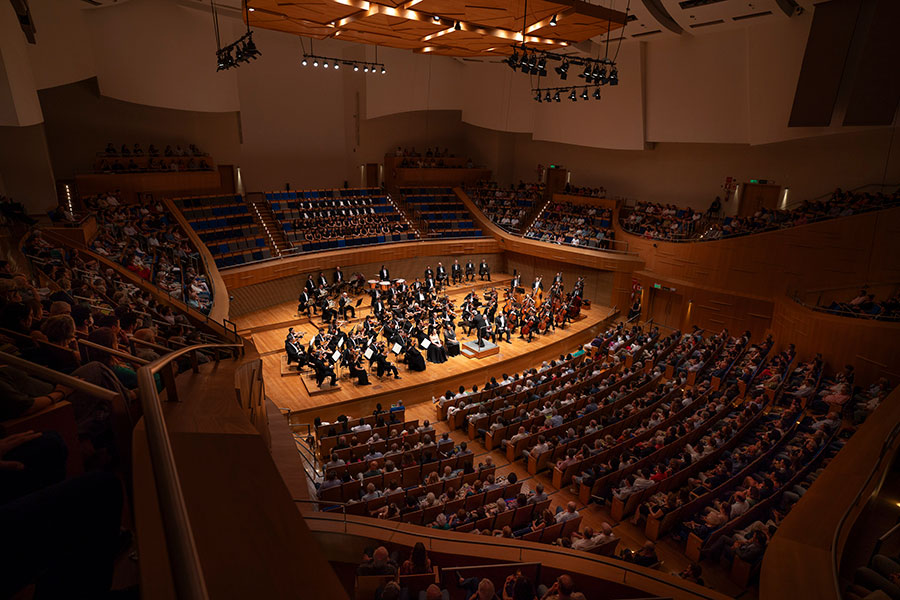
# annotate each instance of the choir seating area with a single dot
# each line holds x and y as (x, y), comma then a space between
(225, 225)
(441, 211)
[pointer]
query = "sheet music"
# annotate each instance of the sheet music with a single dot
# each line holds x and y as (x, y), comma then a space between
(425, 344)
(368, 353)
(397, 348)
(336, 355)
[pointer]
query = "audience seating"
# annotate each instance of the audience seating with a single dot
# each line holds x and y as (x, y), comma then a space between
(225, 225)
(444, 214)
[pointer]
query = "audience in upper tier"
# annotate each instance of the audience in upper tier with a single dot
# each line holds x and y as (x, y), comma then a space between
(865, 306)
(669, 222)
(132, 160)
(507, 207)
(146, 240)
(572, 224)
(342, 219)
(589, 192)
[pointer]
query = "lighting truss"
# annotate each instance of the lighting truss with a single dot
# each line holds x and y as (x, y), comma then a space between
(243, 50)
(533, 61)
(327, 62)
(554, 94)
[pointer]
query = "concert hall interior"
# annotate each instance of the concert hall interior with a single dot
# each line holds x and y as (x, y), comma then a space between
(440, 300)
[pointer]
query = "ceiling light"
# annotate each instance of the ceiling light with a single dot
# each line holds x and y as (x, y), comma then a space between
(366, 69)
(584, 94)
(383, 71)
(436, 18)
(602, 77)
(597, 94)
(553, 21)
(325, 64)
(356, 67)
(556, 97)
(251, 9)
(337, 66)
(572, 96)
(303, 62)
(614, 77)
(315, 63)
(547, 97)
(538, 97)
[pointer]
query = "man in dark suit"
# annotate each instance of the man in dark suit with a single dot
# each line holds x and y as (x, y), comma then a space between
(428, 272)
(480, 326)
(500, 328)
(456, 272)
(305, 303)
(322, 282)
(310, 285)
(294, 351)
(382, 364)
(378, 309)
(484, 270)
(384, 274)
(319, 362)
(345, 305)
(441, 274)
(338, 277)
(470, 271)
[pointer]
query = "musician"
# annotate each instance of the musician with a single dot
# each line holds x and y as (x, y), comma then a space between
(305, 303)
(382, 364)
(450, 341)
(538, 285)
(338, 277)
(322, 282)
(320, 361)
(353, 361)
(501, 326)
(441, 274)
(470, 271)
(310, 285)
(484, 270)
(436, 351)
(558, 279)
(319, 340)
(378, 309)
(329, 314)
(413, 359)
(516, 281)
(384, 274)
(429, 284)
(456, 272)
(428, 273)
(345, 305)
(294, 350)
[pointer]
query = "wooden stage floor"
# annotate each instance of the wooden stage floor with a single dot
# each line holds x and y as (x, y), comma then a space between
(289, 392)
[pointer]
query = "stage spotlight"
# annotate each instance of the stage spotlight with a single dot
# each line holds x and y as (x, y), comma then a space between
(587, 72)
(563, 70)
(553, 21)
(572, 96)
(584, 94)
(315, 63)
(614, 77)
(366, 69)
(602, 79)
(303, 62)
(356, 67)
(556, 97)
(337, 66)
(547, 97)
(513, 60)
(383, 71)
(325, 65)
(597, 94)
(538, 97)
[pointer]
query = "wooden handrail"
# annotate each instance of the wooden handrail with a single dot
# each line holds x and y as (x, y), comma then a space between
(57, 377)
(111, 352)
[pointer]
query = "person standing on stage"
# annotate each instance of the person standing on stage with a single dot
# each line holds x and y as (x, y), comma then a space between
(384, 274)
(470, 271)
(480, 326)
(456, 272)
(338, 277)
(484, 270)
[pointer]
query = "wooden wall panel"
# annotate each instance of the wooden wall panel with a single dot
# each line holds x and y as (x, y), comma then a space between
(870, 346)
(846, 251)
(255, 297)
(324, 261)
(609, 203)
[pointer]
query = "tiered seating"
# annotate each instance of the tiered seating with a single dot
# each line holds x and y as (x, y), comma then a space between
(225, 225)
(575, 225)
(338, 218)
(442, 211)
(509, 207)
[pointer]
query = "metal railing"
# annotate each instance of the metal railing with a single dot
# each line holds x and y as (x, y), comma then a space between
(184, 561)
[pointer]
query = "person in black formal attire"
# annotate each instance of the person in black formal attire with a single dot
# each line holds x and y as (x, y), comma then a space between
(305, 303)
(353, 361)
(345, 305)
(500, 328)
(384, 274)
(516, 281)
(310, 285)
(480, 326)
(456, 272)
(295, 352)
(414, 359)
(382, 364)
(450, 341)
(484, 270)
(319, 362)
(441, 275)
(470, 271)
(428, 273)
(338, 277)
(558, 279)
(378, 309)
(322, 281)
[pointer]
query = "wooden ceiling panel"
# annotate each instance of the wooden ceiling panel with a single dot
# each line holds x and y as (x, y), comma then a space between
(485, 27)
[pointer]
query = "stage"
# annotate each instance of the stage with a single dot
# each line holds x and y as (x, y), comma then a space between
(268, 328)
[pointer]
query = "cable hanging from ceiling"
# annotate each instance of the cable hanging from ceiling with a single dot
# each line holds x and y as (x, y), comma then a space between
(311, 59)
(595, 72)
(240, 51)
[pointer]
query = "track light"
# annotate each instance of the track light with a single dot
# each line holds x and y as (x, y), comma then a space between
(602, 79)
(547, 97)
(584, 94)
(563, 70)
(337, 66)
(303, 62)
(356, 67)
(572, 96)
(556, 97)
(538, 97)
(366, 69)
(597, 94)
(315, 63)
(614, 77)
(337, 62)
(383, 71)
(587, 72)
(553, 21)
(241, 51)
(325, 65)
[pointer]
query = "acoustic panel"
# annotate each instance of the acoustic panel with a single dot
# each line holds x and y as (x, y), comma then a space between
(876, 87)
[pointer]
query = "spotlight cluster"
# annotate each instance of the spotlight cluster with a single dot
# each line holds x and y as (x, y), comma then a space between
(241, 51)
(594, 71)
(336, 63)
(555, 94)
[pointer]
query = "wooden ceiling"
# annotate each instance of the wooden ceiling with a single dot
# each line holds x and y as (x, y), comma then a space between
(447, 27)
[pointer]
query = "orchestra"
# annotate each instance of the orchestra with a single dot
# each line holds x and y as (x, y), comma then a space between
(407, 318)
